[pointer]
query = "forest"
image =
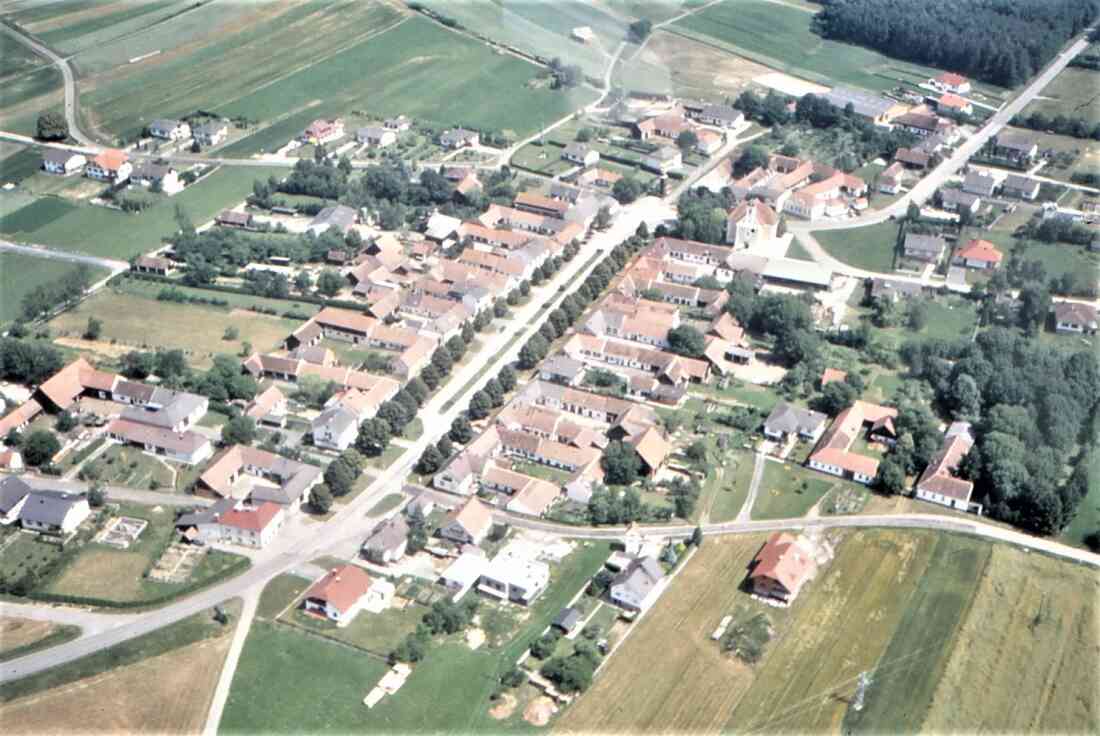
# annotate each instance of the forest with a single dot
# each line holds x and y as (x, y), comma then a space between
(1003, 42)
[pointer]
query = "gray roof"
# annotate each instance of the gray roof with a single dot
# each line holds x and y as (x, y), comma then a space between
(211, 127)
(790, 419)
(1020, 183)
(932, 245)
(959, 428)
(890, 288)
(58, 156)
(565, 191)
(790, 269)
(12, 490)
(48, 507)
(339, 215)
(567, 618)
(165, 123)
(456, 135)
(578, 150)
(388, 535)
(336, 418)
(958, 197)
(150, 170)
(978, 183)
(640, 577)
(863, 103)
(1016, 140)
(207, 515)
(176, 407)
(562, 365)
(721, 112)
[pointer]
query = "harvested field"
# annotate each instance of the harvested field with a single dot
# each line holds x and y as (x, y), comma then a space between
(671, 63)
(169, 693)
(20, 632)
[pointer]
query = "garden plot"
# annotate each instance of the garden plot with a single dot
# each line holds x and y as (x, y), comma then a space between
(121, 531)
(177, 563)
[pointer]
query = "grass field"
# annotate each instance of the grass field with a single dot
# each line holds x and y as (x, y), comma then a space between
(1073, 94)
(1087, 519)
(199, 628)
(870, 248)
(787, 491)
(22, 636)
(99, 231)
(129, 466)
(20, 274)
(1057, 258)
(376, 632)
(386, 504)
(779, 36)
(280, 593)
(948, 318)
(28, 85)
(725, 494)
(133, 321)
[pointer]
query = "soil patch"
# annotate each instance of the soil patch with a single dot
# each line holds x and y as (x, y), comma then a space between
(504, 707)
(539, 711)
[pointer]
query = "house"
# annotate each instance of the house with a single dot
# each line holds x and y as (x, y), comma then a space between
(377, 136)
(664, 159)
(59, 161)
(652, 448)
(468, 524)
(464, 179)
(894, 290)
(455, 138)
(891, 179)
(1015, 145)
(951, 82)
(10, 461)
(232, 218)
(269, 407)
(579, 153)
(980, 184)
(320, 132)
(440, 227)
(249, 525)
(561, 369)
(210, 133)
(669, 126)
(515, 575)
(567, 620)
(913, 159)
(708, 141)
(541, 204)
(978, 254)
(275, 479)
(13, 494)
(786, 420)
(388, 541)
(925, 124)
(1021, 187)
(464, 572)
(926, 248)
(341, 217)
(833, 454)
(602, 178)
(1074, 317)
(832, 375)
(339, 595)
(721, 116)
(171, 130)
(534, 498)
(53, 512)
(152, 264)
(189, 447)
(879, 110)
(154, 175)
(782, 566)
(638, 585)
(584, 34)
(938, 483)
(956, 200)
(111, 165)
(952, 103)
(751, 223)
(399, 123)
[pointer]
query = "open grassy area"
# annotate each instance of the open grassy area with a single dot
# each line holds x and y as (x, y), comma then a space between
(674, 64)
(134, 321)
(870, 248)
(22, 636)
(386, 504)
(788, 491)
(948, 318)
(279, 593)
(20, 274)
(1072, 94)
(725, 493)
(110, 233)
(378, 633)
(129, 466)
(1087, 519)
(200, 627)
(779, 36)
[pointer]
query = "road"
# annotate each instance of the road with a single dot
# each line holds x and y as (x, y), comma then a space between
(251, 599)
(66, 73)
(110, 264)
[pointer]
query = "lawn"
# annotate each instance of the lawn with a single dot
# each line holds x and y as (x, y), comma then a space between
(21, 164)
(798, 251)
(150, 289)
(870, 247)
(20, 274)
(1072, 94)
(197, 628)
(727, 491)
(779, 36)
(1057, 258)
(22, 636)
(542, 159)
(280, 593)
(386, 504)
(378, 633)
(25, 554)
(133, 321)
(129, 466)
(1087, 519)
(109, 233)
(788, 491)
(948, 318)
(544, 472)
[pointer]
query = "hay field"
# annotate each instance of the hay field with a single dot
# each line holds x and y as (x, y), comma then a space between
(675, 64)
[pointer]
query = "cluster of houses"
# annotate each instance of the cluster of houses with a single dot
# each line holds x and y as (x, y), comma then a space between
(115, 168)
(661, 126)
(801, 188)
(975, 253)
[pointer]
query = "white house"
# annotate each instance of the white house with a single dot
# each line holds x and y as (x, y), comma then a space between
(340, 594)
(210, 133)
(111, 165)
(579, 153)
(59, 161)
(638, 586)
(515, 575)
(377, 136)
(53, 512)
(664, 159)
(1075, 317)
(171, 130)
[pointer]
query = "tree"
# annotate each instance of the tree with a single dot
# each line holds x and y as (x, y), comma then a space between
(753, 157)
(239, 431)
(39, 447)
(621, 464)
(544, 646)
(96, 496)
(507, 378)
(461, 431)
(480, 405)
(603, 218)
(339, 477)
(94, 329)
(231, 333)
(640, 29)
(687, 141)
(687, 341)
(891, 476)
(138, 365)
(835, 397)
(442, 360)
(320, 498)
(431, 460)
(303, 282)
(374, 437)
(697, 537)
(52, 126)
(626, 190)
(329, 283)
(445, 446)
(65, 422)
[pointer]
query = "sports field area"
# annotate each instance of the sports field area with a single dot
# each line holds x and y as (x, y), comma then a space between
(778, 35)
(960, 635)
(110, 233)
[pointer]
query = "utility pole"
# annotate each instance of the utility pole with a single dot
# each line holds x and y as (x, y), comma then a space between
(861, 689)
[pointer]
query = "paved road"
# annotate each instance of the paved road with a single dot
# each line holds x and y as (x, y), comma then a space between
(120, 493)
(229, 667)
(90, 622)
(111, 264)
(66, 73)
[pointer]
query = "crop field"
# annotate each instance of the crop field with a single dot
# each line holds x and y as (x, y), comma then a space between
(1073, 94)
(779, 36)
(916, 603)
(656, 10)
(132, 321)
(20, 274)
(674, 64)
(541, 29)
(27, 84)
(100, 231)
(870, 247)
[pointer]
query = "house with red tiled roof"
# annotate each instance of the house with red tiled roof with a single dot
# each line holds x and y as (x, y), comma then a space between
(949, 102)
(939, 482)
(339, 594)
(250, 526)
(829, 375)
(833, 454)
(978, 254)
(323, 131)
(951, 82)
(111, 165)
(469, 523)
(782, 566)
(751, 223)
(63, 388)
